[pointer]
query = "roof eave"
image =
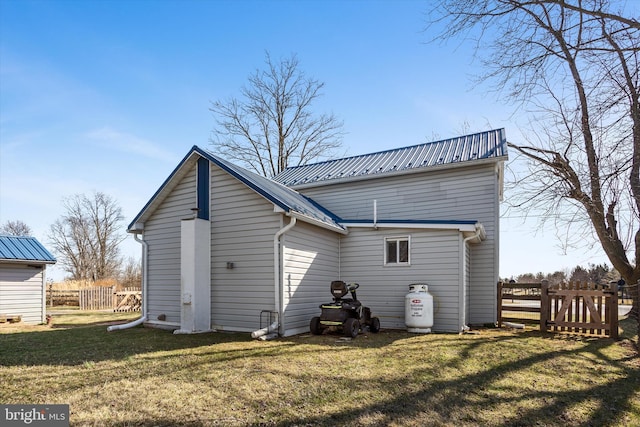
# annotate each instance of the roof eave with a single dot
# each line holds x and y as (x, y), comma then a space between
(26, 261)
(337, 228)
(462, 226)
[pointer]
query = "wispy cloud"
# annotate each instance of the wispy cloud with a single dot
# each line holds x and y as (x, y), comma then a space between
(108, 137)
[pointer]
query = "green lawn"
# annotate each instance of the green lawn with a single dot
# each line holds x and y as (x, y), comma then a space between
(141, 377)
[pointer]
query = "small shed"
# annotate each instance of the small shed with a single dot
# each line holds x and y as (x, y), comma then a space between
(23, 263)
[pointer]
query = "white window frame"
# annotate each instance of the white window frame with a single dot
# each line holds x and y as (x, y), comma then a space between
(397, 239)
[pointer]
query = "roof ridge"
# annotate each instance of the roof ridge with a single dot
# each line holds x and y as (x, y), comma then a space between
(391, 150)
(490, 145)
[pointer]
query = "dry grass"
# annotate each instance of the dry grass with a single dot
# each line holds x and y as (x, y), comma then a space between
(151, 377)
(82, 284)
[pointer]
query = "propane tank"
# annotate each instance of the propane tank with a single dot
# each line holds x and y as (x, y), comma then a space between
(418, 314)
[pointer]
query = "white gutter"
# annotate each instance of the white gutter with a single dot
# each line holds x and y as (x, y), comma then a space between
(143, 317)
(426, 226)
(316, 222)
(477, 235)
(278, 291)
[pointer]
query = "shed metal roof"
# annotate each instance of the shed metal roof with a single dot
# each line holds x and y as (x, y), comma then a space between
(483, 146)
(22, 248)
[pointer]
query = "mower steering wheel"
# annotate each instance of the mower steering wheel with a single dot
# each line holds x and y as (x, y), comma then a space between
(353, 286)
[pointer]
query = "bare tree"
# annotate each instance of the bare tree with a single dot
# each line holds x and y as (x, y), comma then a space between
(15, 228)
(573, 67)
(131, 274)
(272, 126)
(87, 237)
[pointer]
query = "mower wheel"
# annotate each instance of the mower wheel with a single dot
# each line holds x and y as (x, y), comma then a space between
(351, 327)
(375, 325)
(315, 326)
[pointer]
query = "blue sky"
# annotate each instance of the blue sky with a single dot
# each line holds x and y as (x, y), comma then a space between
(109, 95)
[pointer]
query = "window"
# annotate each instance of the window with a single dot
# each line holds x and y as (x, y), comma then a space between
(396, 251)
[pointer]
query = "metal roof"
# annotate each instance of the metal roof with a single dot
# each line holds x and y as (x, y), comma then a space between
(285, 198)
(22, 248)
(489, 145)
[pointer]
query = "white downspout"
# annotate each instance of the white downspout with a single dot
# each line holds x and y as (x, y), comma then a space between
(278, 291)
(464, 275)
(143, 317)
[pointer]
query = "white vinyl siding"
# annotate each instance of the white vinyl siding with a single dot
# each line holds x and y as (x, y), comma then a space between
(463, 193)
(162, 234)
(22, 292)
(310, 264)
(243, 225)
(435, 260)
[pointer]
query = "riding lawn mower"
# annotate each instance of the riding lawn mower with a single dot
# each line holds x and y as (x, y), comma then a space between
(347, 315)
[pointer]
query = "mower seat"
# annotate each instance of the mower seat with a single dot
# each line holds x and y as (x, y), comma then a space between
(338, 289)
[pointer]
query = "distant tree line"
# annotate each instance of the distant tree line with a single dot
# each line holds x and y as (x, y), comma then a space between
(86, 240)
(595, 273)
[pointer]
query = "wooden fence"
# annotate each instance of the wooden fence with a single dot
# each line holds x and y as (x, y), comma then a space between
(572, 307)
(97, 298)
(65, 297)
(128, 299)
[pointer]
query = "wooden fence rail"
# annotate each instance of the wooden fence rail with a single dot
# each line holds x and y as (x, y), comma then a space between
(518, 302)
(67, 297)
(97, 298)
(572, 307)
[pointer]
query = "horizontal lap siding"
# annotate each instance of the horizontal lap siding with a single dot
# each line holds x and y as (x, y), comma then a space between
(162, 234)
(466, 193)
(242, 228)
(310, 264)
(434, 260)
(21, 289)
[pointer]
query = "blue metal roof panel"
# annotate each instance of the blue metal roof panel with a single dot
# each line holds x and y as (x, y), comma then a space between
(22, 248)
(480, 146)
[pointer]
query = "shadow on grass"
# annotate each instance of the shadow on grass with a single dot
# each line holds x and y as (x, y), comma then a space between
(81, 344)
(455, 401)
(445, 399)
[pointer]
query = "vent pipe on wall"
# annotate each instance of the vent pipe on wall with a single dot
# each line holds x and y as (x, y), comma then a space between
(375, 214)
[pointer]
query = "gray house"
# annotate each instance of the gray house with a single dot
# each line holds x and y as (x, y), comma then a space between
(221, 245)
(23, 263)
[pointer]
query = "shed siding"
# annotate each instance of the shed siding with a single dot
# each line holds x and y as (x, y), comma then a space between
(162, 234)
(435, 259)
(455, 194)
(21, 292)
(243, 225)
(310, 264)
